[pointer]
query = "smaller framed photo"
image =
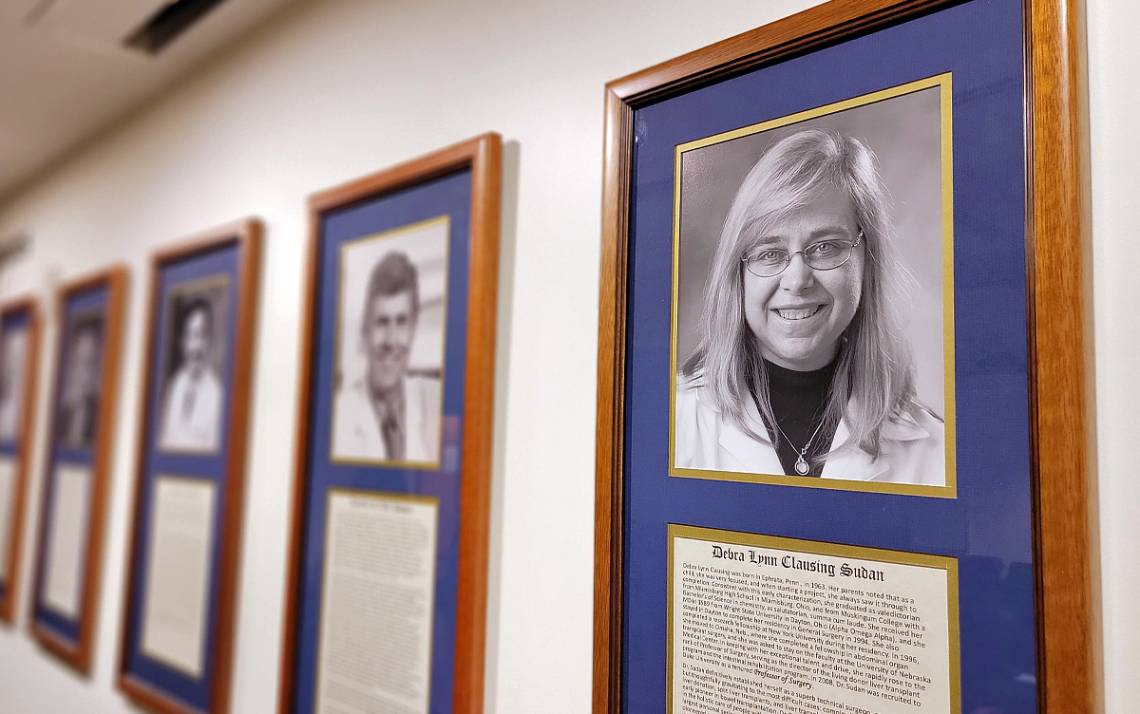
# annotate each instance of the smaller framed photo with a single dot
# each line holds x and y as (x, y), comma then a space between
(193, 357)
(178, 620)
(386, 597)
(19, 366)
(77, 463)
(392, 325)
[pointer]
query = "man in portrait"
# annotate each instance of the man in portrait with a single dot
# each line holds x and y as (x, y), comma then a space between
(390, 413)
(193, 398)
(79, 406)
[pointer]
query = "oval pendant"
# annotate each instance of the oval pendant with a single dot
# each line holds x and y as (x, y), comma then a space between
(802, 466)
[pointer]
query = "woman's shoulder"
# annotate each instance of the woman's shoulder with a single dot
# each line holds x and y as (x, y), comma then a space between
(695, 408)
(914, 446)
(691, 393)
(918, 429)
(697, 424)
(915, 422)
(929, 421)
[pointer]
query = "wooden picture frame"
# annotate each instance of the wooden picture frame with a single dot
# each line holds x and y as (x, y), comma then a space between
(1064, 520)
(245, 238)
(481, 156)
(113, 282)
(24, 441)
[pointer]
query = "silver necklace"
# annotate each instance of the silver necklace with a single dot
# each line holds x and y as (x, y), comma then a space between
(802, 466)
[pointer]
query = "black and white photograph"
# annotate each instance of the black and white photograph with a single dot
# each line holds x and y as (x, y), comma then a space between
(79, 397)
(389, 364)
(13, 360)
(193, 357)
(813, 295)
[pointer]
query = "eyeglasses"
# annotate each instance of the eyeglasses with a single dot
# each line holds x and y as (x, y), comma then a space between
(822, 255)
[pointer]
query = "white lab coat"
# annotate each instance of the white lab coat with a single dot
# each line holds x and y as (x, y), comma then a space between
(9, 415)
(356, 430)
(15, 345)
(196, 430)
(913, 449)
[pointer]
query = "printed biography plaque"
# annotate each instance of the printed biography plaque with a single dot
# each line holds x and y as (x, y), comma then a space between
(174, 613)
(71, 506)
(842, 433)
(781, 626)
(378, 588)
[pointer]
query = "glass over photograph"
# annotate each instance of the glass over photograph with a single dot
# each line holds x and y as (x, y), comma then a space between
(391, 326)
(13, 360)
(193, 354)
(813, 296)
(79, 397)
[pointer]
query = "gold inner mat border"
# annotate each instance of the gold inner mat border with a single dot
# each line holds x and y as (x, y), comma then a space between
(950, 490)
(445, 220)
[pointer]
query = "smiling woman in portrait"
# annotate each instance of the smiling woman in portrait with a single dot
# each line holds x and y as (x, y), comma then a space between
(801, 367)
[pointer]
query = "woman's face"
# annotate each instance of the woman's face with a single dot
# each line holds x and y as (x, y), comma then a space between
(799, 315)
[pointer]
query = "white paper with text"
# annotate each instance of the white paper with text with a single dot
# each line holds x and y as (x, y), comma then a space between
(7, 511)
(377, 600)
(178, 573)
(763, 630)
(67, 540)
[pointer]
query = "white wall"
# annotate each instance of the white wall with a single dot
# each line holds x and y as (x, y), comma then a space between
(331, 91)
(1114, 104)
(335, 89)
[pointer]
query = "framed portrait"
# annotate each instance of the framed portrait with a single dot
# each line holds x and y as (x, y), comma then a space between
(193, 357)
(903, 134)
(77, 463)
(386, 596)
(401, 335)
(176, 649)
(19, 368)
(842, 456)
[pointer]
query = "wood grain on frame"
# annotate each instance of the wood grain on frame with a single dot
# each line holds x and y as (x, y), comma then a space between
(1060, 363)
(23, 460)
(483, 156)
(1061, 360)
(78, 654)
(247, 236)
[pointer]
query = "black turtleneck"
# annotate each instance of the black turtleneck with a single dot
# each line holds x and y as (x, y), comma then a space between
(799, 403)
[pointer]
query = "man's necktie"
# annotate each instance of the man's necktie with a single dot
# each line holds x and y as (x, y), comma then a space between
(393, 444)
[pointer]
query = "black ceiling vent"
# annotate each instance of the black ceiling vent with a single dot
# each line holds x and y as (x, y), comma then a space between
(168, 23)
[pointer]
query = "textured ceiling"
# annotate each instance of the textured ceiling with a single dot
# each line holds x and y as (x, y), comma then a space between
(64, 73)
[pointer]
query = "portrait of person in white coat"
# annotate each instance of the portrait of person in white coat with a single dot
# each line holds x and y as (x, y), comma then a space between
(801, 366)
(193, 396)
(79, 401)
(390, 413)
(13, 359)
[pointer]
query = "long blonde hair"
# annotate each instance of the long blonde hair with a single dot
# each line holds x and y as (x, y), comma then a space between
(874, 377)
